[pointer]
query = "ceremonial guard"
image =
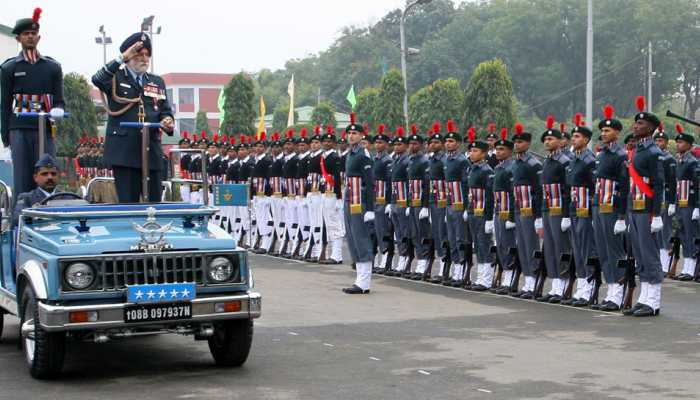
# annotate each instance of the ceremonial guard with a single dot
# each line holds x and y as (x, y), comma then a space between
(491, 139)
(399, 201)
(555, 213)
(381, 170)
(456, 169)
(314, 197)
(131, 94)
(195, 167)
(304, 234)
(504, 212)
(277, 204)
(358, 206)
(687, 215)
(29, 82)
(185, 159)
(526, 172)
(290, 169)
(213, 165)
(646, 168)
(243, 224)
(580, 178)
(438, 199)
(610, 209)
(668, 206)
(480, 210)
(418, 211)
(332, 200)
(260, 185)
(231, 176)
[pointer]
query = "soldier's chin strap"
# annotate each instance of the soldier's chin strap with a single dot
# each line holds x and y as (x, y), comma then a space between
(121, 100)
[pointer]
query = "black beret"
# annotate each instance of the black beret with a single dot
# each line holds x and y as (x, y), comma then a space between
(136, 37)
(479, 144)
(46, 161)
(27, 24)
(582, 130)
(551, 132)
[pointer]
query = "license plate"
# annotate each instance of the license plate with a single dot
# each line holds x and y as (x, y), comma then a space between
(163, 292)
(157, 312)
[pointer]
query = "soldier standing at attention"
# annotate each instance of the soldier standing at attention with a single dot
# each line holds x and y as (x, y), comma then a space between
(399, 201)
(438, 199)
(456, 175)
(504, 211)
(418, 211)
(358, 209)
(668, 206)
(646, 168)
(29, 82)
(332, 201)
(381, 169)
(491, 139)
(291, 205)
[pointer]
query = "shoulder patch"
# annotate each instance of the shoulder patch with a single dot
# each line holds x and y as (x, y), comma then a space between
(367, 153)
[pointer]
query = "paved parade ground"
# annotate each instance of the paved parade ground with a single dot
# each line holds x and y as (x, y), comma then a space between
(406, 340)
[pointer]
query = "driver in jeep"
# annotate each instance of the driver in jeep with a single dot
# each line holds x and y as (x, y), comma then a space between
(46, 179)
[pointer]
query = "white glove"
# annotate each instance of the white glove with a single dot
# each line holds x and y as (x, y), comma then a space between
(620, 226)
(671, 210)
(369, 216)
(510, 225)
(565, 224)
(488, 227)
(424, 213)
(387, 209)
(656, 224)
(538, 224)
(56, 113)
(408, 211)
(465, 216)
(696, 214)
(338, 204)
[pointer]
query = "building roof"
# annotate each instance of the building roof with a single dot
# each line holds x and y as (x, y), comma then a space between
(6, 30)
(189, 78)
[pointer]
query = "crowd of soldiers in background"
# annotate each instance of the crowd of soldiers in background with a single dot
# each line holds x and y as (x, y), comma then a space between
(88, 164)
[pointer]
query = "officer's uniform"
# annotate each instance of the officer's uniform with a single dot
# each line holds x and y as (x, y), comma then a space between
(381, 170)
(304, 231)
(480, 211)
(456, 169)
(399, 204)
(438, 207)
(527, 190)
(277, 204)
(262, 191)
(291, 205)
(185, 159)
(668, 207)
(123, 145)
(687, 214)
(314, 200)
(580, 177)
(29, 82)
(332, 202)
(504, 217)
(418, 210)
(242, 222)
(36, 195)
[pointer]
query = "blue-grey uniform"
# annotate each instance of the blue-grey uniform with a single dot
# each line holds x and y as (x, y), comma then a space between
(127, 95)
(480, 210)
(438, 204)
(381, 168)
(29, 82)
(358, 200)
(419, 211)
(527, 190)
(581, 181)
(504, 213)
(399, 203)
(668, 207)
(456, 178)
(688, 184)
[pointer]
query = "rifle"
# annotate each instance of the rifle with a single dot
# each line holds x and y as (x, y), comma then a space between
(496, 282)
(596, 277)
(431, 260)
(630, 282)
(675, 254)
(468, 264)
(671, 114)
(517, 270)
(568, 258)
(541, 273)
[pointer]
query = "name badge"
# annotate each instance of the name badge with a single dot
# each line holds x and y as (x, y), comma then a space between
(126, 85)
(154, 91)
(21, 73)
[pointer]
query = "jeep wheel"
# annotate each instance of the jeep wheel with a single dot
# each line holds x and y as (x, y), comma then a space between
(231, 342)
(43, 350)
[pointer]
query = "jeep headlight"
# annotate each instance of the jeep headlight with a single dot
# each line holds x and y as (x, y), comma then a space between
(220, 269)
(79, 275)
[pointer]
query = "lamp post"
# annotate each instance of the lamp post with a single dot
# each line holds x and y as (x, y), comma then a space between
(404, 52)
(103, 40)
(147, 27)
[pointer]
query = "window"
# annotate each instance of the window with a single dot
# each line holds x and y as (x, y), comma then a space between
(186, 124)
(169, 94)
(185, 96)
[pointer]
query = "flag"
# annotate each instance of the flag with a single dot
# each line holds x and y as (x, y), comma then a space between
(261, 124)
(351, 97)
(221, 103)
(290, 92)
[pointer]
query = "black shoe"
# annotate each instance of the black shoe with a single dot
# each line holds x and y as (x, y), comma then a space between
(417, 277)
(630, 311)
(518, 293)
(447, 282)
(684, 277)
(568, 302)
(503, 290)
(527, 295)
(435, 280)
(354, 289)
(544, 299)
(609, 306)
(457, 283)
(478, 288)
(580, 303)
(381, 271)
(555, 299)
(597, 306)
(645, 311)
(260, 251)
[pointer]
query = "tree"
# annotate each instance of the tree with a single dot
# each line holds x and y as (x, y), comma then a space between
(239, 105)
(201, 123)
(489, 96)
(83, 116)
(367, 102)
(280, 117)
(390, 106)
(323, 114)
(440, 101)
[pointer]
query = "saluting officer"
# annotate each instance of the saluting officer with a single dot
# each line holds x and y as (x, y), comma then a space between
(29, 82)
(132, 94)
(610, 209)
(504, 211)
(456, 177)
(399, 201)
(581, 180)
(526, 172)
(418, 211)
(668, 207)
(646, 195)
(438, 199)
(358, 206)
(480, 210)
(381, 169)
(688, 178)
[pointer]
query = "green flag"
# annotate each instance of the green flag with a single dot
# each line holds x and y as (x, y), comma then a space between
(351, 97)
(221, 103)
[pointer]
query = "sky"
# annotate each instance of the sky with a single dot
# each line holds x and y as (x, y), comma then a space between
(196, 36)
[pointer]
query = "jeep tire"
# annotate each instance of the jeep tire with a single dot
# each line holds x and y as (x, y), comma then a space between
(44, 351)
(231, 342)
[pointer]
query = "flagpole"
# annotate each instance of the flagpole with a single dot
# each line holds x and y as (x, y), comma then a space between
(290, 92)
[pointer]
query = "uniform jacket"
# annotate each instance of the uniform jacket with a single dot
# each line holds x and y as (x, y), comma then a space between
(688, 178)
(480, 183)
(418, 168)
(611, 165)
(581, 174)
(503, 183)
(358, 163)
(26, 200)
(436, 172)
(648, 161)
(381, 169)
(554, 173)
(399, 175)
(669, 178)
(456, 168)
(526, 172)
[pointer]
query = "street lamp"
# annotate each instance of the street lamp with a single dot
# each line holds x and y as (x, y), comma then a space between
(404, 52)
(104, 40)
(147, 27)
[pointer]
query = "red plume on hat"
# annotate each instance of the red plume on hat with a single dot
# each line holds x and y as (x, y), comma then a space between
(365, 127)
(400, 131)
(414, 129)
(262, 136)
(344, 134)
(608, 111)
(562, 127)
(224, 139)
(641, 103)
(661, 127)
(436, 127)
(352, 118)
(232, 139)
(492, 127)
(303, 132)
(471, 134)
(183, 134)
(679, 129)
(451, 126)
(578, 119)
(36, 15)
(317, 130)
(550, 122)
(504, 133)
(380, 129)
(203, 134)
(242, 136)
(329, 129)
(93, 140)
(518, 129)
(102, 139)
(275, 136)
(216, 137)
